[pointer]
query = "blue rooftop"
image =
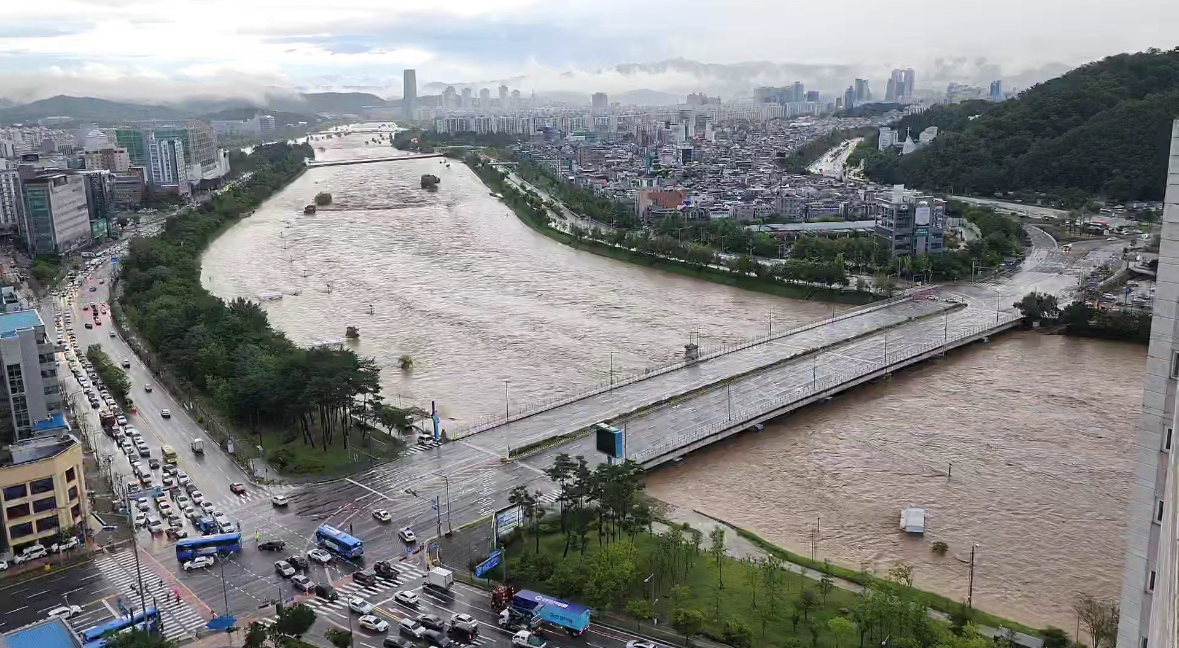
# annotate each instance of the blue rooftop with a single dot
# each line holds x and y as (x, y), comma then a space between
(48, 634)
(10, 323)
(52, 423)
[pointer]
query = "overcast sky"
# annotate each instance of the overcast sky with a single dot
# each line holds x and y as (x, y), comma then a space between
(145, 49)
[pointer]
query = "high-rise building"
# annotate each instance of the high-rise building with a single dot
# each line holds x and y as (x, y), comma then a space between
(861, 93)
(111, 159)
(450, 98)
(515, 99)
(812, 96)
(409, 92)
(849, 97)
(166, 163)
(599, 101)
(30, 390)
(57, 218)
(202, 160)
(484, 99)
(1150, 575)
(467, 101)
(890, 90)
(503, 97)
(44, 494)
(910, 78)
(797, 92)
(12, 201)
(266, 123)
(996, 91)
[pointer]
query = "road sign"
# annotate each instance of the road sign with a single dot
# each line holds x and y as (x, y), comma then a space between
(434, 503)
(508, 519)
(487, 565)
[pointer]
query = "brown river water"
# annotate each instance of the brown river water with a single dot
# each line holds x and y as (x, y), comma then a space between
(1038, 428)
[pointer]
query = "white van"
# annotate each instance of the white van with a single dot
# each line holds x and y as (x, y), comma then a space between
(32, 552)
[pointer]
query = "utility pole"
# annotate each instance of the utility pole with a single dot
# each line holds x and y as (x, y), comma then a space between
(970, 582)
(729, 398)
(449, 529)
(506, 414)
(815, 371)
(611, 371)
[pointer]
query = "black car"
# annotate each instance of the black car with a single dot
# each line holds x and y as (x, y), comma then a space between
(326, 592)
(298, 562)
(386, 569)
(435, 638)
(464, 632)
(398, 642)
(153, 463)
(365, 577)
(432, 621)
(272, 545)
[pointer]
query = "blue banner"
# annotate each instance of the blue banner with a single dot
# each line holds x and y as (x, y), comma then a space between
(487, 565)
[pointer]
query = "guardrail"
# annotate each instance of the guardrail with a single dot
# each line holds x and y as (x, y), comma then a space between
(536, 407)
(820, 385)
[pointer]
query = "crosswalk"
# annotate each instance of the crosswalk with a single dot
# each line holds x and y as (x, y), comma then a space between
(422, 447)
(252, 496)
(549, 497)
(178, 617)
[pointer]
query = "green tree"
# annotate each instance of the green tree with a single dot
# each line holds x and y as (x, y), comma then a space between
(256, 635)
(295, 621)
(806, 603)
(1055, 638)
(901, 573)
(140, 639)
(737, 634)
(688, 622)
(640, 610)
(842, 629)
(338, 637)
(716, 549)
(826, 584)
(1100, 618)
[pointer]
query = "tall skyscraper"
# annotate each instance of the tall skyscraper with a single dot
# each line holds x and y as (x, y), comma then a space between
(484, 99)
(450, 98)
(503, 97)
(910, 82)
(812, 95)
(409, 92)
(849, 96)
(797, 92)
(467, 101)
(890, 90)
(1150, 574)
(861, 93)
(898, 84)
(599, 101)
(996, 91)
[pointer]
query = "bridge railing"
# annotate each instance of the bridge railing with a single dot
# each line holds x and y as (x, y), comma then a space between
(820, 384)
(481, 424)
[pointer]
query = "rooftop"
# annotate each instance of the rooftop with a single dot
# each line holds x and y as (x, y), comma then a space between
(52, 633)
(10, 323)
(817, 226)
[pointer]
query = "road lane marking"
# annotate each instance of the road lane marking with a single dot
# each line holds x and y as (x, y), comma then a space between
(371, 490)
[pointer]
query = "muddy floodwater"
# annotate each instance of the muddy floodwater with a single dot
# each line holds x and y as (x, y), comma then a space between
(1039, 431)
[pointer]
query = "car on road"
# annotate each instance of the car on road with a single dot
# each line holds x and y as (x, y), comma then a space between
(526, 639)
(112, 334)
(170, 469)
(460, 618)
(298, 562)
(140, 519)
(88, 325)
(272, 545)
(374, 623)
(425, 438)
(407, 535)
(279, 500)
(432, 621)
(169, 482)
(381, 515)
(398, 642)
(153, 463)
(206, 506)
(284, 569)
(155, 525)
(437, 639)
(126, 363)
(166, 413)
(386, 569)
(406, 597)
(364, 577)
(325, 591)
(359, 605)
(237, 488)
(176, 533)
(143, 504)
(302, 583)
(121, 420)
(641, 643)
(199, 562)
(411, 627)
(320, 556)
(64, 612)
(147, 388)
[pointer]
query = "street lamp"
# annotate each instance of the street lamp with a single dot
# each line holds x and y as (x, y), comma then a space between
(611, 371)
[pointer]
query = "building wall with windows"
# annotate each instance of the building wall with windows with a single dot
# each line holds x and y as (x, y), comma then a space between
(57, 215)
(42, 492)
(28, 375)
(12, 212)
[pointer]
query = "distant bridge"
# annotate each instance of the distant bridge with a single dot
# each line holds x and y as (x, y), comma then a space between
(392, 158)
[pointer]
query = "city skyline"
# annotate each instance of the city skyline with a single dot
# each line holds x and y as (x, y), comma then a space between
(264, 45)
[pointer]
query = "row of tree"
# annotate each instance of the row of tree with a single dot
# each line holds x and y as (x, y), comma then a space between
(581, 201)
(109, 372)
(1086, 318)
(229, 351)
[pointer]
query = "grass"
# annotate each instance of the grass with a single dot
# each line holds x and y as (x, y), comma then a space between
(287, 454)
(735, 600)
(931, 600)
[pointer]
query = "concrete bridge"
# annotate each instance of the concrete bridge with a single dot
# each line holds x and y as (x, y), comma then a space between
(391, 158)
(670, 411)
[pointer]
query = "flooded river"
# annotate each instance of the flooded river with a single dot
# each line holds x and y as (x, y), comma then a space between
(1039, 430)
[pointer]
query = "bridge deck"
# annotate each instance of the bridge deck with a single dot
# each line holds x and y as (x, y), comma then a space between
(631, 397)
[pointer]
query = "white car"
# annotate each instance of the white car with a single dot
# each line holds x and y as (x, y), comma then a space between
(526, 639)
(279, 500)
(641, 643)
(197, 496)
(359, 605)
(31, 552)
(65, 612)
(142, 504)
(206, 506)
(412, 628)
(381, 515)
(155, 525)
(284, 569)
(140, 519)
(166, 413)
(374, 623)
(320, 556)
(464, 619)
(406, 597)
(199, 562)
(72, 543)
(407, 535)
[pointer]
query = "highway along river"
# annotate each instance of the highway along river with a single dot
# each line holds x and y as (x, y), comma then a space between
(1038, 428)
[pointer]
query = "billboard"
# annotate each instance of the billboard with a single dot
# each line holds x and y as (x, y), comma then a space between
(508, 519)
(609, 440)
(922, 216)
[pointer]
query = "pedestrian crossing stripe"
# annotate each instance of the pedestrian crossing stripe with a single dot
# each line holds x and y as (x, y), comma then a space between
(550, 497)
(179, 618)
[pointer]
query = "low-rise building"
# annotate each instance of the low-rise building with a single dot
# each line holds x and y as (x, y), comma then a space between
(42, 490)
(909, 222)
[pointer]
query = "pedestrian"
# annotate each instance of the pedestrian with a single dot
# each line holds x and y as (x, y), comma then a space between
(161, 582)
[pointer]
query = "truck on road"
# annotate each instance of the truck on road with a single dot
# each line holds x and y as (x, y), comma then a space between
(198, 446)
(107, 419)
(527, 610)
(440, 579)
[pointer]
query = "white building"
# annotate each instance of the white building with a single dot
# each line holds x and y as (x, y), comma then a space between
(166, 163)
(11, 197)
(30, 388)
(57, 216)
(888, 138)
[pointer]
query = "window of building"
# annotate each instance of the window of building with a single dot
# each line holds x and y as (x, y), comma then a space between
(1150, 583)
(47, 523)
(70, 475)
(73, 493)
(1175, 364)
(15, 492)
(16, 511)
(1158, 511)
(42, 485)
(20, 530)
(42, 505)
(1167, 439)
(76, 511)
(20, 410)
(16, 381)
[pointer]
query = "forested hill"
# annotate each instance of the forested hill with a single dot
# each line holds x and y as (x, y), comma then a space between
(1103, 128)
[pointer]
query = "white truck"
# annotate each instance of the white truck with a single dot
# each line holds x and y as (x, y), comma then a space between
(440, 578)
(198, 446)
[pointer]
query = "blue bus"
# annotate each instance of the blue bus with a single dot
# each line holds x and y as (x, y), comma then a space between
(209, 545)
(97, 636)
(338, 542)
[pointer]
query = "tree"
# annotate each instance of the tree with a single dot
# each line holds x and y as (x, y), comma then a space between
(256, 635)
(640, 610)
(806, 603)
(902, 573)
(688, 622)
(1099, 617)
(826, 584)
(1055, 638)
(295, 620)
(737, 634)
(842, 629)
(1038, 306)
(716, 549)
(338, 637)
(814, 635)
(140, 639)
